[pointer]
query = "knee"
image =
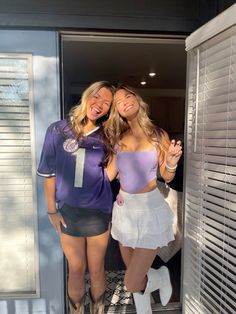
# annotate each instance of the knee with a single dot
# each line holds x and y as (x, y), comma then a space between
(76, 267)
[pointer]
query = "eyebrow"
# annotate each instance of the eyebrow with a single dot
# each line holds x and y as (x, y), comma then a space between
(102, 97)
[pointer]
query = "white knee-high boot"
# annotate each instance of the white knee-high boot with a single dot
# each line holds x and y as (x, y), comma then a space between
(159, 279)
(142, 303)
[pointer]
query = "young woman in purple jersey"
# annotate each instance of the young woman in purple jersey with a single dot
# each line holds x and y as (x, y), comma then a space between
(78, 192)
(141, 219)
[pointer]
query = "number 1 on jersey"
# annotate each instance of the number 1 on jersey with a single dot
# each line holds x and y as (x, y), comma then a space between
(79, 167)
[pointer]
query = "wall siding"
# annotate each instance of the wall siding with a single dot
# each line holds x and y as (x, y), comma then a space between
(171, 16)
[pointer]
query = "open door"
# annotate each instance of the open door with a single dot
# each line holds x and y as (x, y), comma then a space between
(84, 60)
(209, 280)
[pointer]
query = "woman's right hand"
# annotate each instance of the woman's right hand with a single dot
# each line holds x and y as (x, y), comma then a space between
(54, 216)
(56, 220)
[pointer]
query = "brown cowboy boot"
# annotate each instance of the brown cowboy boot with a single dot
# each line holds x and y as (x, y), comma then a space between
(98, 306)
(76, 308)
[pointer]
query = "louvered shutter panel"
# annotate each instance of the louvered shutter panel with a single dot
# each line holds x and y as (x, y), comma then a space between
(210, 194)
(18, 229)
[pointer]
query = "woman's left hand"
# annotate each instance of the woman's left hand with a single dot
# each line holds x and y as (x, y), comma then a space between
(174, 153)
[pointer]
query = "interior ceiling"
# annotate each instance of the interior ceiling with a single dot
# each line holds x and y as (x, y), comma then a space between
(86, 62)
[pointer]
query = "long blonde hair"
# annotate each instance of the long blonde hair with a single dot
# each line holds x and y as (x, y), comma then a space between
(116, 126)
(77, 116)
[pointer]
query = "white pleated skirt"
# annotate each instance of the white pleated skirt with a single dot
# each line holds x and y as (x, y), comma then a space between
(142, 220)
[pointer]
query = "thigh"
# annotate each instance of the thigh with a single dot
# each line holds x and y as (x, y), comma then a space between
(96, 250)
(74, 250)
(126, 253)
(140, 263)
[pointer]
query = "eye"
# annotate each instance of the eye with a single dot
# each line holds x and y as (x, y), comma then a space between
(107, 104)
(95, 96)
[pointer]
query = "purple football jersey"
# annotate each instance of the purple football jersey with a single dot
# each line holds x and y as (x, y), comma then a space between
(77, 165)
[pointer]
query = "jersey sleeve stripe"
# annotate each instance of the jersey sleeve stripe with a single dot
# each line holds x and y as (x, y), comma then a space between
(46, 175)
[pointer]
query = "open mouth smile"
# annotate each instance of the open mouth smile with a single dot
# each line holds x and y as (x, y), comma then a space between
(95, 110)
(128, 108)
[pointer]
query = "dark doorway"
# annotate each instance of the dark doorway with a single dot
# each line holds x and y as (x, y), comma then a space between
(130, 59)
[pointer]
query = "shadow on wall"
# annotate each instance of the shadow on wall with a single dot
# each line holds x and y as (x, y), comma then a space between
(50, 262)
(25, 306)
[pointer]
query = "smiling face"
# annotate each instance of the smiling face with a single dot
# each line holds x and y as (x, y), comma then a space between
(126, 104)
(98, 104)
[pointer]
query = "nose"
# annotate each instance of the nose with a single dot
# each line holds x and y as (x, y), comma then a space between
(125, 102)
(121, 103)
(99, 102)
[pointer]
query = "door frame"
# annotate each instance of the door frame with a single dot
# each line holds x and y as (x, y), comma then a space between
(121, 38)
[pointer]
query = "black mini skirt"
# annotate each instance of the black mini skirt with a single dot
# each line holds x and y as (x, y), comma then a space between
(84, 222)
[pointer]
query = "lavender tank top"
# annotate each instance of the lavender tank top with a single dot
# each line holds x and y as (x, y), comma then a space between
(136, 169)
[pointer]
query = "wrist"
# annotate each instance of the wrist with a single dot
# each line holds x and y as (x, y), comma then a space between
(171, 169)
(52, 212)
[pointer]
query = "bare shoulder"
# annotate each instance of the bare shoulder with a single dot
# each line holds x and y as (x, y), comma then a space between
(124, 143)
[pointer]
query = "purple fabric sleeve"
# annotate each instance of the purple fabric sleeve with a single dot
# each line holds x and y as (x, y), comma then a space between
(47, 164)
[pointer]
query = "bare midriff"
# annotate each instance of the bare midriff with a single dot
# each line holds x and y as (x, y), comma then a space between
(148, 188)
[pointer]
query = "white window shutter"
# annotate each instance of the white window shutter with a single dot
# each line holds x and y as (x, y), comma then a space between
(18, 217)
(209, 282)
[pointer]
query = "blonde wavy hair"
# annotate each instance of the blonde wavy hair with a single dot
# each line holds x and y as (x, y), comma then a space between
(77, 116)
(116, 126)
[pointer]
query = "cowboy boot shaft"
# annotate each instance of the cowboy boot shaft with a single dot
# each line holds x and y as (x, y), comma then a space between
(76, 308)
(98, 306)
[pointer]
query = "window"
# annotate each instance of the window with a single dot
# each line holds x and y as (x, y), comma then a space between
(210, 195)
(18, 219)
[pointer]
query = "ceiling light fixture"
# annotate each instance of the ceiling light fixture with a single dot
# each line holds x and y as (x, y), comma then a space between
(143, 83)
(152, 74)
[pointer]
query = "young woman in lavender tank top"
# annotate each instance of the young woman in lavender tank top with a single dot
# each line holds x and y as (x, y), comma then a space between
(141, 219)
(78, 192)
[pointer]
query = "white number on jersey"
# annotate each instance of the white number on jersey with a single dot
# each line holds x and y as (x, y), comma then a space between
(79, 167)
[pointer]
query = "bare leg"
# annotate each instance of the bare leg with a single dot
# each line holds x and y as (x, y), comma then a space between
(74, 250)
(139, 264)
(126, 253)
(96, 250)
(140, 277)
